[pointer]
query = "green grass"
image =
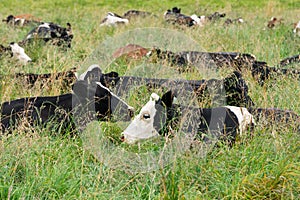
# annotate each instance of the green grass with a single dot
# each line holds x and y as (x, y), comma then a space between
(39, 163)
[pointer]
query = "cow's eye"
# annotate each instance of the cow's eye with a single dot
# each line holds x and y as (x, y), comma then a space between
(145, 116)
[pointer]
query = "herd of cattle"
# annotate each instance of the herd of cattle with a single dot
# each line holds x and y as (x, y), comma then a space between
(92, 97)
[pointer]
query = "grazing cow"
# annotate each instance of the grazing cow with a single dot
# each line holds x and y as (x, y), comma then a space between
(21, 20)
(113, 19)
(53, 33)
(133, 51)
(19, 53)
(161, 114)
(174, 16)
(297, 28)
(136, 13)
(90, 100)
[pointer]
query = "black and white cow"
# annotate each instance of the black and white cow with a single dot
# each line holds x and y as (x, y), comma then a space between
(51, 32)
(89, 101)
(160, 116)
(175, 16)
(113, 19)
(14, 50)
(157, 117)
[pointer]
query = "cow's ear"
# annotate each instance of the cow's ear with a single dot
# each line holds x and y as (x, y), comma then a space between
(168, 98)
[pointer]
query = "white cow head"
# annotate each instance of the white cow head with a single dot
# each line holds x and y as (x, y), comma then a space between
(113, 19)
(151, 119)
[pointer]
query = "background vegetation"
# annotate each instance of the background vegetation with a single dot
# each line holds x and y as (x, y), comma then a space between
(39, 163)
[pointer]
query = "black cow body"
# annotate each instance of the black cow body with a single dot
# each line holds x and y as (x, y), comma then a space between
(136, 13)
(89, 101)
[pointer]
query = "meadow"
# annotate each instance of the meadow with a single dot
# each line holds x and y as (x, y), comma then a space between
(40, 163)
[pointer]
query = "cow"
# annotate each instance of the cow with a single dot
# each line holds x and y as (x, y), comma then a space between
(136, 13)
(133, 51)
(113, 19)
(174, 16)
(21, 20)
(262, 72)
(159, 115)
(216, 16)
(232, 89)
(193, 58)
(89, 100)
(14, 50)
(229, 21)
(52, 33)
(273, 21)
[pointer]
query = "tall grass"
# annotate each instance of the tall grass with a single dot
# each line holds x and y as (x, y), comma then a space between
(38, 163)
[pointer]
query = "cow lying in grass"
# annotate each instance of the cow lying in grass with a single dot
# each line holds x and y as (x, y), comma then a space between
(161, 116)
(175, 16)
(89, 100)
(52, 33)
(113, 19)
(21, 20)
(14, 50)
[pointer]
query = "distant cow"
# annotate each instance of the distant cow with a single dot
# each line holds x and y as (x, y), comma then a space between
(14, 50)
(174, 16)
(21, 20)
(229, 21)
(133, 51)
(136, 13)
(273, 21)
(89, 101)
(52, 33)
(194, 58)
(113, 19)
(160, 115)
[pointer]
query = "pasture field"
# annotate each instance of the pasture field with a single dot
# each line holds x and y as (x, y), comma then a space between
(40, 163)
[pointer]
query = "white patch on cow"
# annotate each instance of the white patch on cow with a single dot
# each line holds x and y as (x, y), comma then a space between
(83, 75)
(199, 20)
(112, 19)
(142, 126)
(19, 53)
(243, 115)
(297, 29)
(44, 25)
(130, 108)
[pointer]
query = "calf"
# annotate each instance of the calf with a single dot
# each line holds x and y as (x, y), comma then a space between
(131, 51)
(50, 32)
(89, 101)
(161, 114)
(113, 19)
